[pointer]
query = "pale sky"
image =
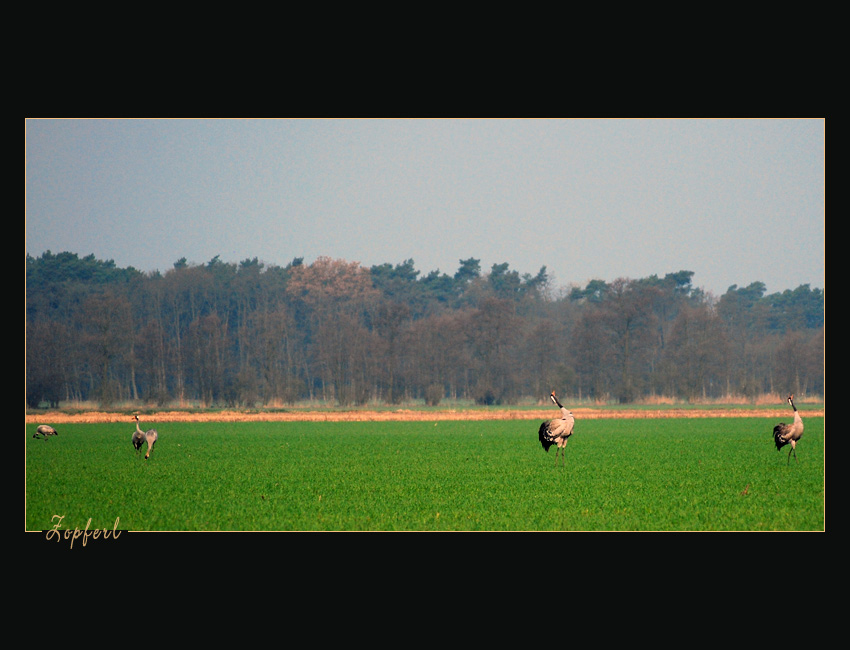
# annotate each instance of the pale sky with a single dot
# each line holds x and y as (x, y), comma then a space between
(734, 201)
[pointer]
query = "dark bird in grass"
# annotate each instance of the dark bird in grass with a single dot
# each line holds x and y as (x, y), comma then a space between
(557, 431)
(140, 437)
(789, 434)
(44, 431)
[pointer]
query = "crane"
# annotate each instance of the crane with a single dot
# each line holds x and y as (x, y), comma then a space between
(44, 430)
(140, 437)
(558, 430)
(789, 434)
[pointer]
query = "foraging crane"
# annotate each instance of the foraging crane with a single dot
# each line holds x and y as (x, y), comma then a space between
(789, 434)
(45, 431)
(557, 431)
(140, 437)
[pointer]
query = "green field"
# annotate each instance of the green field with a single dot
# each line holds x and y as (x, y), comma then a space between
(701, 474)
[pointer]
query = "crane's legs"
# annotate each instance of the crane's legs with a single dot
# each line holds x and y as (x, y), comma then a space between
(563, 454)
(793, 449)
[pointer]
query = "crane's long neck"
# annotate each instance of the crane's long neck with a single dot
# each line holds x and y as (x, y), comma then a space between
(798, 421)
(138, 430)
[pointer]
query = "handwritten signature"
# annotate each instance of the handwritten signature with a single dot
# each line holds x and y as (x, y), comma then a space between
(73, 535)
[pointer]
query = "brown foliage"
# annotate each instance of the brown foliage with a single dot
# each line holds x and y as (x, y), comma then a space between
(329, 280)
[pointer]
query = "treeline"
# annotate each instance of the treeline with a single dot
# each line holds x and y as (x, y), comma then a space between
(257, 335)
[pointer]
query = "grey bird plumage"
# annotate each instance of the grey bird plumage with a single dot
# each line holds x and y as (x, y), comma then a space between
(789, 434)
(140, 437)
(558, 430)
(45, 430)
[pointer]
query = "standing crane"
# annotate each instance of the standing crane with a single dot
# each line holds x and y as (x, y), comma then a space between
(45, 431)
(789, 434)
(140, 437)
(557, 431)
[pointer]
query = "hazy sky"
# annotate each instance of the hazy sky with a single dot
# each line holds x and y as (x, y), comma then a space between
(734, 201)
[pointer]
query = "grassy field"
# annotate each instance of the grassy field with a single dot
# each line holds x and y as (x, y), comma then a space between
(707, 474)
